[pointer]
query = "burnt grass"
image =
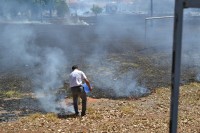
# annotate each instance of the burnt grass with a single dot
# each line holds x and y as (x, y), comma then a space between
(151, 63)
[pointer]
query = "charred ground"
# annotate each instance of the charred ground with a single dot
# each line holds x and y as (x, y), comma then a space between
(110, 41)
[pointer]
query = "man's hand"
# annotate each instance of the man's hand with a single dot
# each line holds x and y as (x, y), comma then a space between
(91, 88)
(88, 84)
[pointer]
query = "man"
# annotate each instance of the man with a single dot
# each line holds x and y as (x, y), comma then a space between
(75, 80)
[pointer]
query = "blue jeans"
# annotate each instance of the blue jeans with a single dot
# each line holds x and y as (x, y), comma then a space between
(76, 92)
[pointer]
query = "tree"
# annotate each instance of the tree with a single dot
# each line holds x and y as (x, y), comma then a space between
(62, 8)
(96, 9)
(11, 8)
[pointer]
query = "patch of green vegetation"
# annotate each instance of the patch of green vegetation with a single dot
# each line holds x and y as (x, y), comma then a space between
(10, 94)
(132, 65)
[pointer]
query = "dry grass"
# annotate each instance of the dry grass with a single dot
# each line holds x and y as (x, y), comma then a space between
(148, 114)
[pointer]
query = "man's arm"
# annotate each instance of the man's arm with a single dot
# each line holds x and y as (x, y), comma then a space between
(88, 84)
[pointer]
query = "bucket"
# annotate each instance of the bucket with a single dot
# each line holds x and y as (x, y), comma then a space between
(86, 88)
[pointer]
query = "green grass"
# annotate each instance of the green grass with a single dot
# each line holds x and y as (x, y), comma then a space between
(10, 94)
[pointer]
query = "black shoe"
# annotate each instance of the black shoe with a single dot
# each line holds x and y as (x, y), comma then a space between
(77, 113)
(83, 114)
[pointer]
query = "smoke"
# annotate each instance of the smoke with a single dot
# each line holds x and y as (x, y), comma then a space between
(14, 45)
(51, 50)
(48, 54)
(18, 48)
(109, 78)
(49, 80)
(10, 10)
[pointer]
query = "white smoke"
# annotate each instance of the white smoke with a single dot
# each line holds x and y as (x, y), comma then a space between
(15, 46)
(109, 75)
(59, 46)
(49, 80)
(198, 77)
(19, 49)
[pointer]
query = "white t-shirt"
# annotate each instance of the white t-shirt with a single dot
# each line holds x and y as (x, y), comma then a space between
(76, 77)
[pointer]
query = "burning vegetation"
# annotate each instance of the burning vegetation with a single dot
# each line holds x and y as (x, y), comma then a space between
(127, 60)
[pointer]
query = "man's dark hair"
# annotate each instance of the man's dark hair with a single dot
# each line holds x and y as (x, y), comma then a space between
(74, 67)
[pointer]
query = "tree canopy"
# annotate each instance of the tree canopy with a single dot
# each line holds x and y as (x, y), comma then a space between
(96, 9)
(33, 8)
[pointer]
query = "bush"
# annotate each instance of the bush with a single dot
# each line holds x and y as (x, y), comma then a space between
(96, 9)
(62, 8)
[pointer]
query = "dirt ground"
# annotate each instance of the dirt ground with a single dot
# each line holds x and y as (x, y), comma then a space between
(147, 114)
(20, 111)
